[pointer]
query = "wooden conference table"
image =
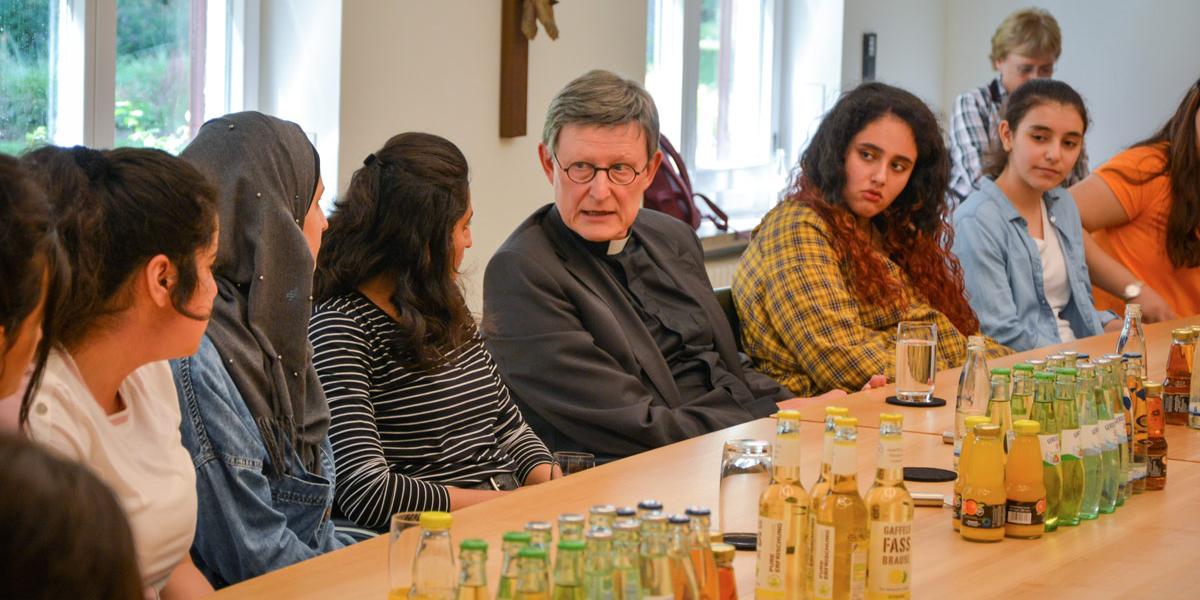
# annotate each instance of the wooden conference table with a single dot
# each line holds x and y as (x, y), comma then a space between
(1145, 549)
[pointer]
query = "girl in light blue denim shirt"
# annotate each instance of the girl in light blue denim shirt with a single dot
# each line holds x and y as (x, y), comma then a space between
(255, 418)
(1019, 236)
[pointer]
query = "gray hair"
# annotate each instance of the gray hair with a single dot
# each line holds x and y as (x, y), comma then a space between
(605, 99)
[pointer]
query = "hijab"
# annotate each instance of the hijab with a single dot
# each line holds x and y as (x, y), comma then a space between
(266, 171)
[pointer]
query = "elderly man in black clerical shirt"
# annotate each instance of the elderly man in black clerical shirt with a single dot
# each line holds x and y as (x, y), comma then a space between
(600, 315)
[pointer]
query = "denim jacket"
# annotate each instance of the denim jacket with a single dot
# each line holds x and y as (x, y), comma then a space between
(248, 523)
(1003, 269)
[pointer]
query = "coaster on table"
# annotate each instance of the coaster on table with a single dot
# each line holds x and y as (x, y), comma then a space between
(930, 474)
(933, 401)
(742, 541)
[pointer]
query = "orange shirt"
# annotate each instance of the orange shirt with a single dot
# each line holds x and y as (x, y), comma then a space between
(1141, 244)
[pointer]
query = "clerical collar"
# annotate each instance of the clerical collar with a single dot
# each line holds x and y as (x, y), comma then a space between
(597, 249)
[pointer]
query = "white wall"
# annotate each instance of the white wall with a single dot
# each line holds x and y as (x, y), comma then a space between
(299, 66)
(434, 66)
(911, 49)
(1131, 61)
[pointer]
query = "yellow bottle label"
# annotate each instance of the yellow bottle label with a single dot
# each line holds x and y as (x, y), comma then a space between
(769, 572)
(890, 558)
(858, 571)
(823, 549)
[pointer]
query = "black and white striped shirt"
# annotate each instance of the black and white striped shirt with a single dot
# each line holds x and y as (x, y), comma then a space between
(399, 435)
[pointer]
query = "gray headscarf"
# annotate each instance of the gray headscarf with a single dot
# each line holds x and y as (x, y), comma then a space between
(266, 171)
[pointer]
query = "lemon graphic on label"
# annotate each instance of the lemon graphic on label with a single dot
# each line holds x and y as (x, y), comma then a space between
(897, 576)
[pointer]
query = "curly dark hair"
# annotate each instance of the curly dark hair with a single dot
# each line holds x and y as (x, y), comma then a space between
(396, 220)
(115, 210)
(915, 229)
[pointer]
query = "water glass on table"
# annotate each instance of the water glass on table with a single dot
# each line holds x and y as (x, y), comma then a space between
(745, 473)
(403, 537)
(916, 360)
(573, 462)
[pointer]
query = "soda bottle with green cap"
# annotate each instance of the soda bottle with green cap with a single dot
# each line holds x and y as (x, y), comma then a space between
(960, 480)
(1022, 390)
(531, 574)
(570, 526)
(472, 576)
(513, 541)
(999, 409)
(1110, 461)
(1048, 442)
(1090, 444)
(434, 577)
(1123, 417)
(1066, 412)
(568, 570)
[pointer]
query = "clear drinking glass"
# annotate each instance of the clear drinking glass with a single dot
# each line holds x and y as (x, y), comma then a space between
(916, 360)
(745, 473)
(404, 535)
(574, 462)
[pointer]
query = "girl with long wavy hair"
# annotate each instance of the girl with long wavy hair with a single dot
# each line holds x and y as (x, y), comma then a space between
(1144, 207)
(859, 243)
(420, 418)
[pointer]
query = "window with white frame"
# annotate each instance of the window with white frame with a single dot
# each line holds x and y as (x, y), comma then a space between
(105, 73)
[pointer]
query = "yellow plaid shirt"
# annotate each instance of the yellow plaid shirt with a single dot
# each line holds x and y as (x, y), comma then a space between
(801, 321)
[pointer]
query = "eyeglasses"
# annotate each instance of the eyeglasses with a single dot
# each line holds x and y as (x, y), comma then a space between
(584, 172)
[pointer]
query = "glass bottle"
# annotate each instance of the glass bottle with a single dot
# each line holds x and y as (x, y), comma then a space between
(599, 577)
(684, 583)
(960, 480)
(570, 526)
(1123, 415)
(1133, 337)
(703, 561)
(1038, 365)
(568, 570)
(531, 574)
(841, 535)
(626, 512)
(973, 388)
(1043, 413)
(999, 409)
(783, 517)
(472, 579)
(1137, 395)
(601, 516)
(541, 533)
(647, 506)
(655, 559)
(1022, 390)
(1178, 384)
(1090, 446)
(512, 543)
(890, 517)
(724, 553)
(1110, 461)
(821, 487)
(984, 497)
(1024, 486)
(1066, 413)
(1194, 394)
(626, 564)
(1155, 444)
(434, 577)
(1054, 362)
(1070, 358)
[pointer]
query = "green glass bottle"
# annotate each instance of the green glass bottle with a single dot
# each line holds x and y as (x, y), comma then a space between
(625, 559)
(472, 578)
(599, 582)
(531, 574)
(1123, 415)
(999, 409)
(1066, 413)
(1021, 395)
(1043, 413)
(1090, 446)
(513, 541)
(1110, 458)
(568, 570)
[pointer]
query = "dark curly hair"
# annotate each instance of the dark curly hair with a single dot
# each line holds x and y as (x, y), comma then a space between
(915, 229)
(396, 220)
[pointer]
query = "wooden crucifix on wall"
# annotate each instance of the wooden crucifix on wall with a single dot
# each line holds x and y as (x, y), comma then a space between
(518, 25)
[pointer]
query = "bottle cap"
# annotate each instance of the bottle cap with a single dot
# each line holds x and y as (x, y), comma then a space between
(788, 414)
(532, 552)
(650, 504)
(836, 411)
(654, 518)
(603, 509)
(570, 518)
(599, 533)
(473, 544)
(1083, 356)
(1102, 362)
(723, 552)
(436, 520)
(1153, 388)
(1069, 353)
(538, 526)
(716, 537)
(517, 536)
(987, 430)
(1181, 334)
(1065, 371)
(626, 525)
(679, 520)
(1086, 369)
(846, 422)
(698, 511)
(1023, 367)
(572, 545)
(972, 420)
(891, 418)
(1133, 355)
(1025, 426)
(1001, 371)
(626, 511)
(1043, 376)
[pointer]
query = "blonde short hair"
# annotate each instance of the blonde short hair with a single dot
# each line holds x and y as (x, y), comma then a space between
(1029, 31)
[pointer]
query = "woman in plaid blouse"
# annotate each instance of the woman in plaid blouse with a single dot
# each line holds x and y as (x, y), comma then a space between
(859, 243)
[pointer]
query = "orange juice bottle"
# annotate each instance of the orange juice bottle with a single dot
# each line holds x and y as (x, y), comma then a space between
(968, 440)
(1026, 505)
(983, 497)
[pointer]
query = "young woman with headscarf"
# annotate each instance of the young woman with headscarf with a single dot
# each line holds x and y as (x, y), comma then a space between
(256, 420)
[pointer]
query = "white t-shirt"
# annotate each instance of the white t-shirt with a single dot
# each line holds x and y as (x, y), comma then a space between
(137, 452)
(1054, 275)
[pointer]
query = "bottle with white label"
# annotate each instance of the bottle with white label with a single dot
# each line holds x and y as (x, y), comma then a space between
(1117, 397)
(1066, 413)
(783, 518)
(1138, 420)
(890, 515)
(1110, 461)
(1043, 413)
(821, 487)
(841, 534)
(1089, 429)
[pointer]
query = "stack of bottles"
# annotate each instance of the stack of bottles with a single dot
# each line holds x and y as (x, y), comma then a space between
(835, 543)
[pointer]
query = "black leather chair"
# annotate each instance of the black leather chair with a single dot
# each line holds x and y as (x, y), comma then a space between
(725, 297)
